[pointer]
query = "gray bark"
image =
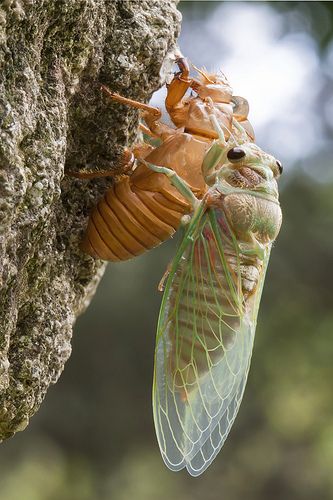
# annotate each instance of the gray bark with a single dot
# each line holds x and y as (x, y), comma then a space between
(53, 56)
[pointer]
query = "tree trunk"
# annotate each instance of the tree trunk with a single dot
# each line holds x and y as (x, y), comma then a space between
(54, 55)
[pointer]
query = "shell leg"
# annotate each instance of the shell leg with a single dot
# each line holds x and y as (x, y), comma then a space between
(141, 149)
(130, 102)
(150, 114)
(178, 87)
(155, 127)
(125, 165)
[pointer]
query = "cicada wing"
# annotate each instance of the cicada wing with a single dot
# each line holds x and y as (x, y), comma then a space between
(204, 342)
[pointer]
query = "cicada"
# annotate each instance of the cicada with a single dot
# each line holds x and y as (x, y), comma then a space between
(228, 205)
(211, 299)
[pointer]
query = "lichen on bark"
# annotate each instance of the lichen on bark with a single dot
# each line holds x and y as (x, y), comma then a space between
(53, 57)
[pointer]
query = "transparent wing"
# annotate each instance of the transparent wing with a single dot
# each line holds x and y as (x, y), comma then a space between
(204, 342)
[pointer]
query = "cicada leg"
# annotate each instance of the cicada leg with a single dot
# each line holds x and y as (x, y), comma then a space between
(146, 130)
(161, 284)
(141, 149)
(126, 164)
(185, 191)
(242, 135)
(130, 102)
(177, 90)
(156, 127)
(215, 154)
(253, 247)
(176, 181)
(150, 114)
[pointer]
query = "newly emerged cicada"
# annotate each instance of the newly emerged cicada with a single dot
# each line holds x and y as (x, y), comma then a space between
(209, 174)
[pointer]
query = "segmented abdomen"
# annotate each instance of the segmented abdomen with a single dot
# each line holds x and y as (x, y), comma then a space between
(128, 220)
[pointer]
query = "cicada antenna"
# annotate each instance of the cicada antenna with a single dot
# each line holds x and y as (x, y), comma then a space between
(221, 125)
(241, 130)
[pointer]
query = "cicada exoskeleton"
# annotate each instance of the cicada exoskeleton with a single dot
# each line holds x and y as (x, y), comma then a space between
(143, 209)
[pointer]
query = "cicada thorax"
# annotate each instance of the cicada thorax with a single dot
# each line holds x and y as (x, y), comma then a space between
(212, 91)
(198, 120)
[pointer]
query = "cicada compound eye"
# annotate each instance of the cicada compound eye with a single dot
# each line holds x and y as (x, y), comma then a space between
(280, 167)
(235, 154)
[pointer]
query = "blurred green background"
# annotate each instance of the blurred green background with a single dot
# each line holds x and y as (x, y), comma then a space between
(93, 437)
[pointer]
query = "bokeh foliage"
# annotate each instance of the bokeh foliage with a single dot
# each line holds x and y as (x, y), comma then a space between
(94, 436)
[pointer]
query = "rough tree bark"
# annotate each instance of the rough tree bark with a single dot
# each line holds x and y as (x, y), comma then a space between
(53, 56)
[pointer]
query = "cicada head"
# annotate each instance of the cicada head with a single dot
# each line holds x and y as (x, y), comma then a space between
(248, 167)
(249, 196)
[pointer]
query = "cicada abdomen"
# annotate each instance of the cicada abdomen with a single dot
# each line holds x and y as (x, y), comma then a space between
(144, 209)
(217, 284)
(220, 284)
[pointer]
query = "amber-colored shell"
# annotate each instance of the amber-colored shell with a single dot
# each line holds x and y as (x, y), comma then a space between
(130, 220)
(141, 211)
(144, 209)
